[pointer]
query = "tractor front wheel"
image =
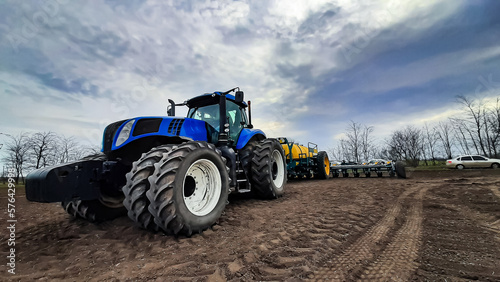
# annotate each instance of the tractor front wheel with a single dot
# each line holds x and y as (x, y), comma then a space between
(400, 169)
(189, 188)
(269, 169)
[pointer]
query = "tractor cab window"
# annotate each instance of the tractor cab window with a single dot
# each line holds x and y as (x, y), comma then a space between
(236, 117)
(209, 114)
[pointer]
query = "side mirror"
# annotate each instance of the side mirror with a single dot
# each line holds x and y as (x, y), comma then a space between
(171, 108)
(238, 97)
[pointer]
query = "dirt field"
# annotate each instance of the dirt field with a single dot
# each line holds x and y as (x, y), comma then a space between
(442, 226)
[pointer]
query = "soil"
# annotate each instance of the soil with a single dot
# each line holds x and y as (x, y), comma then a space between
(435, 225)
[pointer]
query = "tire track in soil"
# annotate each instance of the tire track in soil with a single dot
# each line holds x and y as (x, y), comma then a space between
(299, 241)
(362, 249)
(495, 225)
(397, 261)
(471, 253)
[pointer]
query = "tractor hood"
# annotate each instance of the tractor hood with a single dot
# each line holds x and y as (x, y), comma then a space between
(121, 133)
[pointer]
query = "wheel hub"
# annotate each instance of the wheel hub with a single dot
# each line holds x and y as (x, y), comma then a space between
(202, 187)
(278, 169)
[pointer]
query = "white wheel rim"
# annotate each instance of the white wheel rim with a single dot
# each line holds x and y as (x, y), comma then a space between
(201, 187)
(277, 169)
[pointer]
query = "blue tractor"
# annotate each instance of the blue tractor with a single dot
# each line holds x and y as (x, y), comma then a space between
(171, 173)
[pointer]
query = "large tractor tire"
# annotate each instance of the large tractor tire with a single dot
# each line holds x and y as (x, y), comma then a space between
(323, 165)
(246, 155)
(268, 169)
(93, 210)
(400, 169)
(107, 207)
(136, 201)
(189, 188)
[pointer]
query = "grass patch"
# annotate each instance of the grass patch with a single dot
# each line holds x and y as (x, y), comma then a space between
(5, 185)
(427, 168)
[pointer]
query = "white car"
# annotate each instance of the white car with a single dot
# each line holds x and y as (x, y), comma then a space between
(470, 161)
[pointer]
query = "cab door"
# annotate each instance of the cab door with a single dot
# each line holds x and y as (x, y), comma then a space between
(235, 119)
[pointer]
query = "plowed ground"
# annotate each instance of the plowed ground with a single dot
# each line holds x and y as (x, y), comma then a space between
(442, 226)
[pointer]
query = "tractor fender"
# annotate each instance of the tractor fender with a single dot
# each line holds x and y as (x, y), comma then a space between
(247, 134)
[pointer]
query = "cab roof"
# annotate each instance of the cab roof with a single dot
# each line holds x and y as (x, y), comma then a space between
(211, 99)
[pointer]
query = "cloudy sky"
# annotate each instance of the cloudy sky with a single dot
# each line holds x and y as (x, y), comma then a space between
(309, 67)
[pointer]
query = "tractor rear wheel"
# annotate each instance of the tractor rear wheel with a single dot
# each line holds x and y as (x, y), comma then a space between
(189, 188)
(137, 185)
(323, 165)
(246, 155)
(269, 169)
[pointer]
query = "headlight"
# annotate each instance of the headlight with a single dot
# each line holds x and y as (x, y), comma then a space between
(124, 133)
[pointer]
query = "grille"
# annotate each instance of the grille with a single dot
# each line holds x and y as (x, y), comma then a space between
(109, 133)
(175, 126)
(147, 125)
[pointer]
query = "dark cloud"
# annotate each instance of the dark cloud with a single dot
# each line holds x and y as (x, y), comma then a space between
(318, 21)
(101, 44)
(80, 85)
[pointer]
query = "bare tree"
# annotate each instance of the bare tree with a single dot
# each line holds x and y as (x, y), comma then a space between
(444, 134)
(367, 146)
(42, 146)
(17, 154)
(67, 149)
(474, 118)
(358, 141)
(430, 141)
(406, 144)
(493, 120)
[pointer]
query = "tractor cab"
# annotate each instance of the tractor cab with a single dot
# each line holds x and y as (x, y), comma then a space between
(236, 116)
(219, 111)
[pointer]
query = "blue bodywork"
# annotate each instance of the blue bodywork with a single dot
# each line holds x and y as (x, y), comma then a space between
(189, 128)
(193, 129)
(186, 128)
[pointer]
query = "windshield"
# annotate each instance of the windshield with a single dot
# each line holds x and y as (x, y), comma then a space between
(236, 117)
(209, 114)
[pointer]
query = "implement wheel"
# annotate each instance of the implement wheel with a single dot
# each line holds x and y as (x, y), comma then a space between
(400, 169)
(189, 188)
(323, 165)
(269, 169)
(137, 185)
